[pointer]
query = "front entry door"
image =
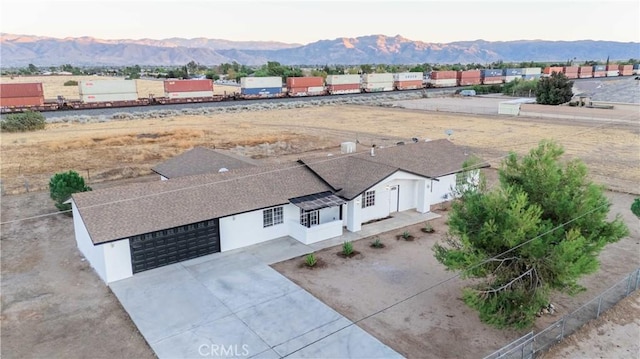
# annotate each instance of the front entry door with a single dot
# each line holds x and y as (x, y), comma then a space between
(394, 198)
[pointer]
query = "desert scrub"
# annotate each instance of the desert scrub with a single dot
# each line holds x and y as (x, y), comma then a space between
(347, 248)
(377, 243)
(310, 260)
(23, 122)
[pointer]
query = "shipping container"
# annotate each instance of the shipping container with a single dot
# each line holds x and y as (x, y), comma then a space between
(625, 70)
(512, 78)
(612, 68)
(599, 68)
(103, 87)
(571, 75)
(490, 72)
(21, 101)
(513, 72)
(304, 82)
(341, 89)
(377, 86)
(531, 77)
(408, 84)
(260, 82)
(492, 80)
(585, 71)
(193, 94)
(408, 76)
(377, 78)
(173, 86)
(599, 73)
(307, 91)
(343, 79)
(265, 91)
(468, 74)
(467, 81)
(443, 82)
(636, 66)
(444, 75)
(531, 71)
(21, 90)
(551, 69)
(571, 69)
(108, 97)
(613, 73)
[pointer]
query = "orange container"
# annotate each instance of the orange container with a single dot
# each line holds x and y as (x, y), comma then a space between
(21, 90)
(293, 82)
(444, 75)
(549, 70)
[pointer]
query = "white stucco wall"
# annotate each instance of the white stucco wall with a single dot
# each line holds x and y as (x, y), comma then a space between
(329, 215)
(93, 254)
(408, 195)
(314, 234)
(247, 228)
(441, 188)
(117, 258)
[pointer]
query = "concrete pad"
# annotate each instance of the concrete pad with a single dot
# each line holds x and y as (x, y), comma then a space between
(167, 301)
(288, 317)
(278, 250)
(267, 354)
(220, 264)
(239, 290)
(351, 342)
(317, 334)
(225, 337)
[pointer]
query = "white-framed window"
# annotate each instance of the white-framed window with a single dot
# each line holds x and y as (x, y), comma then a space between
(272, 216)
(309, 218)
(369, 199)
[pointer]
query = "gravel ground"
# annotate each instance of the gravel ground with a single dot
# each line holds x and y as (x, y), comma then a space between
(626, 90)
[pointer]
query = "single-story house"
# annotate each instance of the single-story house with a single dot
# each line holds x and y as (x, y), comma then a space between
(129, 229)
(200, 160)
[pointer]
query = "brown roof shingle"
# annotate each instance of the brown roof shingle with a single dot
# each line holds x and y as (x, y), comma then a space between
(200, 160)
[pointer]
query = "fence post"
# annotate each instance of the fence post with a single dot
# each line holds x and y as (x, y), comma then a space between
(628, 285)
(562, 330)
(599, 304)
(637, 278)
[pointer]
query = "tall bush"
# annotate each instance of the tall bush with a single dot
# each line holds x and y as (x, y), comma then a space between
(22, 122)
(63, 185)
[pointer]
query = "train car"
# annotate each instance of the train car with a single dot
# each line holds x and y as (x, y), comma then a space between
(612, 71)
(377, 82)
(636, 69)
(343, 84)
(491, 76)
(18, 97)
(305, 86)
(443, 79)
(625, 70)
(407, 81)
(512, 74)
(469, 77)
(599, 71)
(186, 91)
(551, 69)
(571, 72)
(585, 72)
(261, 87)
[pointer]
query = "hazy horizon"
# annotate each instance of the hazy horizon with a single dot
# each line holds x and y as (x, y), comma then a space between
(307, 21)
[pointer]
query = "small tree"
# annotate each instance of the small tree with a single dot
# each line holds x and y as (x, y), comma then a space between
(554, 90)
(540, 230)
(635, 207)
(63, 185)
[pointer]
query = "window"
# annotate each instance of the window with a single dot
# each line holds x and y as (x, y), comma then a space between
(272, 216)
(369, 199)
(309, 218)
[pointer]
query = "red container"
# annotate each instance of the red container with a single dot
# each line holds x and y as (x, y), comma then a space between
(469, 81)
(468, 74)
(550, 70)
(444, 75)
(585, 72)
(612, 67)
(304, 82)
(21, 90)
(625, 70)
(571, 69)
(188, 85)
(571, 75)
(599, 73)
(21, 101)
(408, 85)
(493, 80)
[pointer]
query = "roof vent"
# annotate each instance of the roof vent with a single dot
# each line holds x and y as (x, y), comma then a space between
(347, 147)
(223, 170)
(373, 150)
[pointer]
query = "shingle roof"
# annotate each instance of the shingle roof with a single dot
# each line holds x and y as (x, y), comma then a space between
(200, 160)
(121, 212)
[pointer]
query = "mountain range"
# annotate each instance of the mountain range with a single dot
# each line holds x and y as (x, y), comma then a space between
(20, 50)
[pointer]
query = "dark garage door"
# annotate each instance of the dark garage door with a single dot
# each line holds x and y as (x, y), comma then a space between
(157, 249)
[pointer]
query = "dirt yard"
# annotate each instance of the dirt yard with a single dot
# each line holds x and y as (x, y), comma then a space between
(54, 85)
(371, 288)
(53, 304)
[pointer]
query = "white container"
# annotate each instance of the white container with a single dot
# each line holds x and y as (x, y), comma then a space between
(315, 89)
(109, 97)
(342, 79)
(382, 78)
(107, 87)
(408, 76)
(531, 71)
(377, 86)
(444, 82)
(613, 73)
(260, 82)
(189, 94)
(512, 78)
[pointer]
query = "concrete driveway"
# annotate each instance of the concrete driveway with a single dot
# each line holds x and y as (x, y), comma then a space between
(233, 304)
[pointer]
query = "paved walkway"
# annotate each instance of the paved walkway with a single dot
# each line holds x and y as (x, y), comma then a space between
(233, 304)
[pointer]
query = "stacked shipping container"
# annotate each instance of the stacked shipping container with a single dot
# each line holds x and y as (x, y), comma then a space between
(585, 72)
(599, 71)
(407, 80)
(491, 76)
(571, 72)
(107, 91)
(531, 73)
(443, 78)
(551, 69)
(305, 86)
(469, 77)
(343, 84)
(625, 70)
(24, 94)
(261, 86)
(512, 74)
(612, 71)
(188, 88)
(377, 82)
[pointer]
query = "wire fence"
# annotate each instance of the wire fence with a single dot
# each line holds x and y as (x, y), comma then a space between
(530, 345)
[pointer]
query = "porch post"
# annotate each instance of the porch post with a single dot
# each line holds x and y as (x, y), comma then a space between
(424, 196)
(354, 209)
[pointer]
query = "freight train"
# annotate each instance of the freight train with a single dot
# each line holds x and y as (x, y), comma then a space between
(19, 97)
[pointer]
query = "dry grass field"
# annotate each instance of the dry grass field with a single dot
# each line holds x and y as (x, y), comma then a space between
(54, 85)
(117, 149)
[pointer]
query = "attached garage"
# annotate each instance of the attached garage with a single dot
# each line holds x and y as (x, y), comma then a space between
(160, 248)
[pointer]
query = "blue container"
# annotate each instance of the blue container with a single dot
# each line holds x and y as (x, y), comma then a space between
(513, 72)
(261, 91)
(491, 72)
(599, 68)
(636, 66)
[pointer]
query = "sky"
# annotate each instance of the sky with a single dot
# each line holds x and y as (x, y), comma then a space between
(306, 21)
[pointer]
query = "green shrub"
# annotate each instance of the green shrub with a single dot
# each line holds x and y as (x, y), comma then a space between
(428, 228)
(63, 185)
(377, 243)
(310, 260)
(635, 207)
(22, 122)
(347, 248)
(406, 235)
(71, 83)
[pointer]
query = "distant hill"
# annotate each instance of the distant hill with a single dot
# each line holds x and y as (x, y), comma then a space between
(20, 50)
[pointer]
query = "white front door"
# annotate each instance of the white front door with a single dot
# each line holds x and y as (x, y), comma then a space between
(394, 193)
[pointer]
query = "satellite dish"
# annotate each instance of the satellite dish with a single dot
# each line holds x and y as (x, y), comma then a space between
(448, 132)
(223, 170)
(415, 140)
